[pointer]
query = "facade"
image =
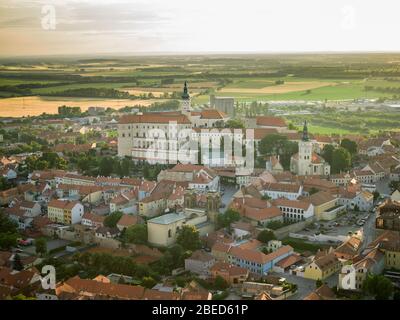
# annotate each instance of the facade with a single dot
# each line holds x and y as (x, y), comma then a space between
(233, 275)
(322, 267)
(295, 210)
(199, 262)
(306, 161)
(65, 212)
(326, 206)
(163, 230)
(256, 261)
(223, 104)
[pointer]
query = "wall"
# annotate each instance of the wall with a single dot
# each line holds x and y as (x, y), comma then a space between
(295, 227)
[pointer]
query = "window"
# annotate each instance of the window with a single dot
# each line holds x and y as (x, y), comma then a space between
(169, 233)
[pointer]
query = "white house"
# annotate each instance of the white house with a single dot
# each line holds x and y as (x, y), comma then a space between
(282, 190)
(295, 210)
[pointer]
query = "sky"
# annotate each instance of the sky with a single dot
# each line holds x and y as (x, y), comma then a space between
(63, 27)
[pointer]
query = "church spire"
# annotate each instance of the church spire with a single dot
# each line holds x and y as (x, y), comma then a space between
(305, 132)
(185, 94)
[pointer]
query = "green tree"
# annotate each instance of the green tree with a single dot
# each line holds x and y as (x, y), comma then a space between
(220, 283)
(234, 124)
(18, 263)
(225, 219)
(341, 160)
(349, 145)
(8, 232)
(188, 238)
(112, 219)
(376, 195)
(380, 287)
(41, 246)
(265, 236)
(318, 283)
(106, 166)
(277, 144)
(136, 234)
(148, 282)
(327, 153)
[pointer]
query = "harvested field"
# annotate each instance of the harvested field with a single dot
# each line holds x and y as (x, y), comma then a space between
(35, 105)
(282, 88)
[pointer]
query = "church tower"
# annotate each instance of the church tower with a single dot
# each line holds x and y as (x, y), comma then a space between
(305, 153)
(185, 103)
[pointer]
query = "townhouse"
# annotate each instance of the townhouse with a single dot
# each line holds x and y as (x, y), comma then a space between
(65, 212)
(256, 261)
(199, 262)
(323, 266)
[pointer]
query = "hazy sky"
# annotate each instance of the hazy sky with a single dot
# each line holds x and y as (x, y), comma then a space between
(35, 27)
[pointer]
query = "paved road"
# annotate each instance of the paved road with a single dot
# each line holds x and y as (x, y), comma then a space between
(228, 195)
(305, 286)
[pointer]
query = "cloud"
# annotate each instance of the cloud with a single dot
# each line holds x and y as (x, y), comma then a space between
(88, 26)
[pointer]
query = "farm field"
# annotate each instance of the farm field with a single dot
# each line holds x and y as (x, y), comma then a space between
(35, 105)
(247, 78)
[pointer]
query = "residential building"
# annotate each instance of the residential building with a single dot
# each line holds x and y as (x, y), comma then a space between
(199, 262)
(232, 274)
(325, 205)
(65, 212)
(322, 267)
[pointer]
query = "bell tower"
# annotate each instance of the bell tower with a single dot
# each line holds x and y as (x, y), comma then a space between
(185, 102)
(305, 153)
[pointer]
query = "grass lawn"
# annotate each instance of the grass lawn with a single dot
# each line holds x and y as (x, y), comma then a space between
(300, 245)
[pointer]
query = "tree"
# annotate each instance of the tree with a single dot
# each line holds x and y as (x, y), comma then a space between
(341, 160)
(229, 216)
(112, 219)
(220, 283)
(136, 234)
(106, 166)
(327, 153)
(265, 236)
(8, 232)
(312, 191)
(234, 124)
(349, 145)
(18, 263)
(148, 282)
(380, 287)
(188, 238)
(41, 246)
(318, 283)
(376, 195)
(277, 144)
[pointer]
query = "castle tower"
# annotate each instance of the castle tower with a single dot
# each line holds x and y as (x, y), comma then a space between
(305, 153)
(185, 102)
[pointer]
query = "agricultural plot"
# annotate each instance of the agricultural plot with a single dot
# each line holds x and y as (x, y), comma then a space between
(34, 105)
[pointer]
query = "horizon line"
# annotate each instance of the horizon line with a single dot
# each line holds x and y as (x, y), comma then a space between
(198, 53)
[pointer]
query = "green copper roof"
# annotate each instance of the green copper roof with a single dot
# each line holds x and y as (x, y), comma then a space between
(185, 94)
